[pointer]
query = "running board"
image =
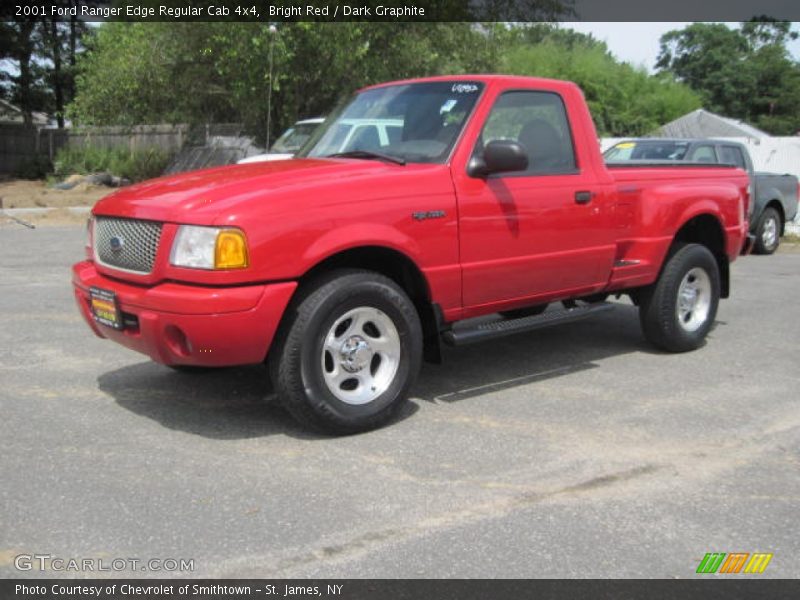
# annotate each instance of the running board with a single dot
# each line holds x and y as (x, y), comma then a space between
(496, 329)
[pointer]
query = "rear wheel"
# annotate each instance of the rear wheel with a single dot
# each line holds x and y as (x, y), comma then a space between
(678, 311)
(768, 232)
(348, 357)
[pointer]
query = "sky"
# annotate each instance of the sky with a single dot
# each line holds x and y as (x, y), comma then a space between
(637, 43)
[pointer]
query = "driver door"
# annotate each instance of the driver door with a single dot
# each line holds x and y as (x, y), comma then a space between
(537, 234)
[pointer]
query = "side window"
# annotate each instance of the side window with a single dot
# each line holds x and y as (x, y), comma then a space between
(731, 155)
(704, 154)
(621, 151)
(538, 121)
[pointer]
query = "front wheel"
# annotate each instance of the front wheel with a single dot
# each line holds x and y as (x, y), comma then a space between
(349, 354)
(768, 232)
(678, 311)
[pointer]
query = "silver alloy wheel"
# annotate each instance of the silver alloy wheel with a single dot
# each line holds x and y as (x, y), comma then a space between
(694, 299)
(769, 234)
(360, 355)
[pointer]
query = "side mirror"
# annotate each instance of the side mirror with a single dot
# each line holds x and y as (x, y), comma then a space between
(499, 156)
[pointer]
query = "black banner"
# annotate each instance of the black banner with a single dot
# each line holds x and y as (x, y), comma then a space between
(734, 588)
(278, 11)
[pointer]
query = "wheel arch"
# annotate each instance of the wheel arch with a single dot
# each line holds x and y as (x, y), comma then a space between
(776, 204)
(706, 229)
(398, 267)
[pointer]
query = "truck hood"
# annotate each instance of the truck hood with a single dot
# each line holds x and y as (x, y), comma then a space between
(201, 197)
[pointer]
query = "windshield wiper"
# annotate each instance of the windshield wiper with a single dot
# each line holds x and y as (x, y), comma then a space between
(369, 155)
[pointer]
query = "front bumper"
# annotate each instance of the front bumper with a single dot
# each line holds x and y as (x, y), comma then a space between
(176, 324)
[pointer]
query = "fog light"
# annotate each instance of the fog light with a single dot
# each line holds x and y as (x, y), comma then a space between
(177, 341)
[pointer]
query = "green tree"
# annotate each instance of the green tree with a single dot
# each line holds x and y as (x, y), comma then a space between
(745, 73)
(17, 46)
(217, 72)
(150, 72)
(38, 55)
(624, 100)
(775, 107)
(710, 58)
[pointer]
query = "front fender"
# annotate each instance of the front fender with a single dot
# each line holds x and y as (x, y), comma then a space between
(358, 235)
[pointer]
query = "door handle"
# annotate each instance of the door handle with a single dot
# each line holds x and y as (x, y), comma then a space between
(583, 197)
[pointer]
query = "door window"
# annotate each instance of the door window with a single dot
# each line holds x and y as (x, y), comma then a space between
(731, 155)
(538, 122)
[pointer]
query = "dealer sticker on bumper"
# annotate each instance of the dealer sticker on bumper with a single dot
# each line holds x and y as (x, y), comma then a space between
(104, 307)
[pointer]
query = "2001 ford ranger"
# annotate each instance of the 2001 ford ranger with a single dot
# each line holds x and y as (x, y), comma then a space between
(342, 271)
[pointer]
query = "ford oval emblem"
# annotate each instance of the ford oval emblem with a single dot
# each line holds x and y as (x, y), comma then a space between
(116, 243)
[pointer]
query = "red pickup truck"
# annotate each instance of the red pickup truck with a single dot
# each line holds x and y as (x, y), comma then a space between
(343, 268)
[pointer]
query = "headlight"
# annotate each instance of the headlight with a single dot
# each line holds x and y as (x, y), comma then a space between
(209, 248)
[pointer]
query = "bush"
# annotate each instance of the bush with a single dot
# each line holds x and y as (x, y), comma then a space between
(34, 168)
(136, 166)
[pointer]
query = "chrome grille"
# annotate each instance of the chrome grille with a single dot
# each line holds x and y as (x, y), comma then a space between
(126, 244)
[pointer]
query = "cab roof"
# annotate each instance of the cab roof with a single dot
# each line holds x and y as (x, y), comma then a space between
(490, 79)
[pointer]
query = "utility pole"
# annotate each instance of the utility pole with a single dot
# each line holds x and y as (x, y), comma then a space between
(272, 31)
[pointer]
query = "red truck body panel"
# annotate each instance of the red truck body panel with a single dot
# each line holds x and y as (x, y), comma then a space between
(189, 325)
(498, 243)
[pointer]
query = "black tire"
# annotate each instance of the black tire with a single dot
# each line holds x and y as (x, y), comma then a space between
(299, 359)
(664, 323)
(768, 232)
(528, 311)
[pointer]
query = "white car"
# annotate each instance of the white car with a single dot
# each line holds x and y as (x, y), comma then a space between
(290, 142)
(346, 135)
(359, 134)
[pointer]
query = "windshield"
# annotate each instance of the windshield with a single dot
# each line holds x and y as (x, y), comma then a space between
(293, 138)
(649, 150)
(417, 122)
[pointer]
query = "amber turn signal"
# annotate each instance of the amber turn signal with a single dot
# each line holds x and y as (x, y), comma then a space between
(231, 250)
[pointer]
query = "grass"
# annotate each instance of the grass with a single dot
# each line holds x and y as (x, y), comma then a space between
(791, 238)
(35, 168)
(135, 166)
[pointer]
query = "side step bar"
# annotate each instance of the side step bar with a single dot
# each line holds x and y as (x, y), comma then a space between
(495, 329)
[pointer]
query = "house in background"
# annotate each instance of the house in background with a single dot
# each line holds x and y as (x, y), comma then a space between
(13, 114)
(701, 123)
(769, 153)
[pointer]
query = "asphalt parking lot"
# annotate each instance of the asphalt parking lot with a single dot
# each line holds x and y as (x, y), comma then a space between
(571, 452)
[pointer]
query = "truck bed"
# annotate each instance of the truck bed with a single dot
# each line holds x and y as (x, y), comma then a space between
(653, 197)
(643, 164)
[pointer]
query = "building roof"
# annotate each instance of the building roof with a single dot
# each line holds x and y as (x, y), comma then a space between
(702, 123)
(13, 114)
